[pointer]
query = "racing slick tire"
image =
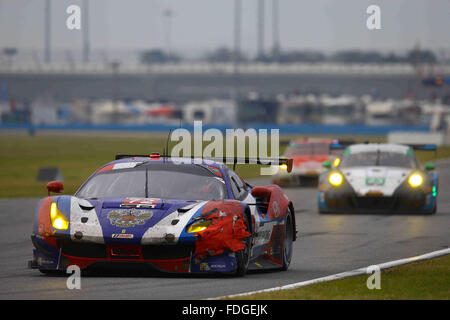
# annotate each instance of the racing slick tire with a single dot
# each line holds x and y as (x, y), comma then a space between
(434, 210)
(288, 240)
(322, 211)
(243, 256)
(54, 273)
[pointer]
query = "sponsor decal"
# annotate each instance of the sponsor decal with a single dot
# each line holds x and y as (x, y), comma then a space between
(215, 171)
(127, 218)
(264, 235)
(375, 181)
(41, 261)
(276, 209)
(204, 267)
(138, 202)
(125, 165)
(122, 236)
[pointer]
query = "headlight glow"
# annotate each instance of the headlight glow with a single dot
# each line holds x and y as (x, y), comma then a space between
(199, 226)
(283, 166)
(336, 162)
(415, 180)
(336, 179)
(58, 220)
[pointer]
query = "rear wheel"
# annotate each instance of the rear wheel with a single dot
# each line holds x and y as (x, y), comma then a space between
(288, 240)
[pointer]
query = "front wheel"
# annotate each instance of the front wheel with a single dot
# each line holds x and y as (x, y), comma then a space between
(288, 240)
(55, 273)
(243, 256)
(434, 210)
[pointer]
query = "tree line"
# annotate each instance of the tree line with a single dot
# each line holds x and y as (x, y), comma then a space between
(224, 54)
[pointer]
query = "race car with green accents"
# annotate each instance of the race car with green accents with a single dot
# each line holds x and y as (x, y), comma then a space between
(379, 178)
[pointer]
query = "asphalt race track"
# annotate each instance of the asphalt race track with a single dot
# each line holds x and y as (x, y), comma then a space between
(327, 244)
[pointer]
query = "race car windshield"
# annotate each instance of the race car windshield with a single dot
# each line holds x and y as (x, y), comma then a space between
(161, 180)
(387, 159)
(308, 149)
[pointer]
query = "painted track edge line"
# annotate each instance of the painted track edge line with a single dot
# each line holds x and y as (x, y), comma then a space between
(343, 275)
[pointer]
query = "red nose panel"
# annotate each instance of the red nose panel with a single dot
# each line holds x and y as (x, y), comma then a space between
(118, 251)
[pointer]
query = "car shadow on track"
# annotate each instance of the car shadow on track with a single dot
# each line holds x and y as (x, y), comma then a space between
(379, 214)
(150, 273)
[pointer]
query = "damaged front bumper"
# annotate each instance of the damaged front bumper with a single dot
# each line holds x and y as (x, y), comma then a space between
(173, 258)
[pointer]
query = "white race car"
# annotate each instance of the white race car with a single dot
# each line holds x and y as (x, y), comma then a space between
(379, 178)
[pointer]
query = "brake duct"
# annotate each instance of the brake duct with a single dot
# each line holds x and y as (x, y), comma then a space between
(226, 231)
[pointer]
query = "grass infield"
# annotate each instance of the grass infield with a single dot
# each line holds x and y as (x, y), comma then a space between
(79, 155)
(429, 279)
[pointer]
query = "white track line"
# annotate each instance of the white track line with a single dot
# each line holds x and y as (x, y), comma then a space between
(342, 275)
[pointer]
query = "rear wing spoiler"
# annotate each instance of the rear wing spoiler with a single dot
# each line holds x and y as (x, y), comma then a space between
(341, 144)
(421, 147)
(424, 147)
(228, 160)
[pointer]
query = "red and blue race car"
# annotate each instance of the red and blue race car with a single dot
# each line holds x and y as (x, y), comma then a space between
(188, 216)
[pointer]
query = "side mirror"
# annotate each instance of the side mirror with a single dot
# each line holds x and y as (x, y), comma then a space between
(429, 166)
(327, 164)
(261, 192)
(55, 186)
(290, 163)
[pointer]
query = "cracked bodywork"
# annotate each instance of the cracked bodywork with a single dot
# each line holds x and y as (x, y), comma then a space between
(227, 231)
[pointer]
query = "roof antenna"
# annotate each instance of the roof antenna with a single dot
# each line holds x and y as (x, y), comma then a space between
(167, 144)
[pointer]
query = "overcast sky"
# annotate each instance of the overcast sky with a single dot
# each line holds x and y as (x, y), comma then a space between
(202, 25)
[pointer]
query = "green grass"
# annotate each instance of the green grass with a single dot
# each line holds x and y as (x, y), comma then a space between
(442, 152)
(76, 156)
(428, 279)
(79, 155)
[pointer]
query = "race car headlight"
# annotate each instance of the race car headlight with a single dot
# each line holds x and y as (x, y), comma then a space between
(415, 180)
(199, 226)
(336, 179)
(58, 220)
(336, 162)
